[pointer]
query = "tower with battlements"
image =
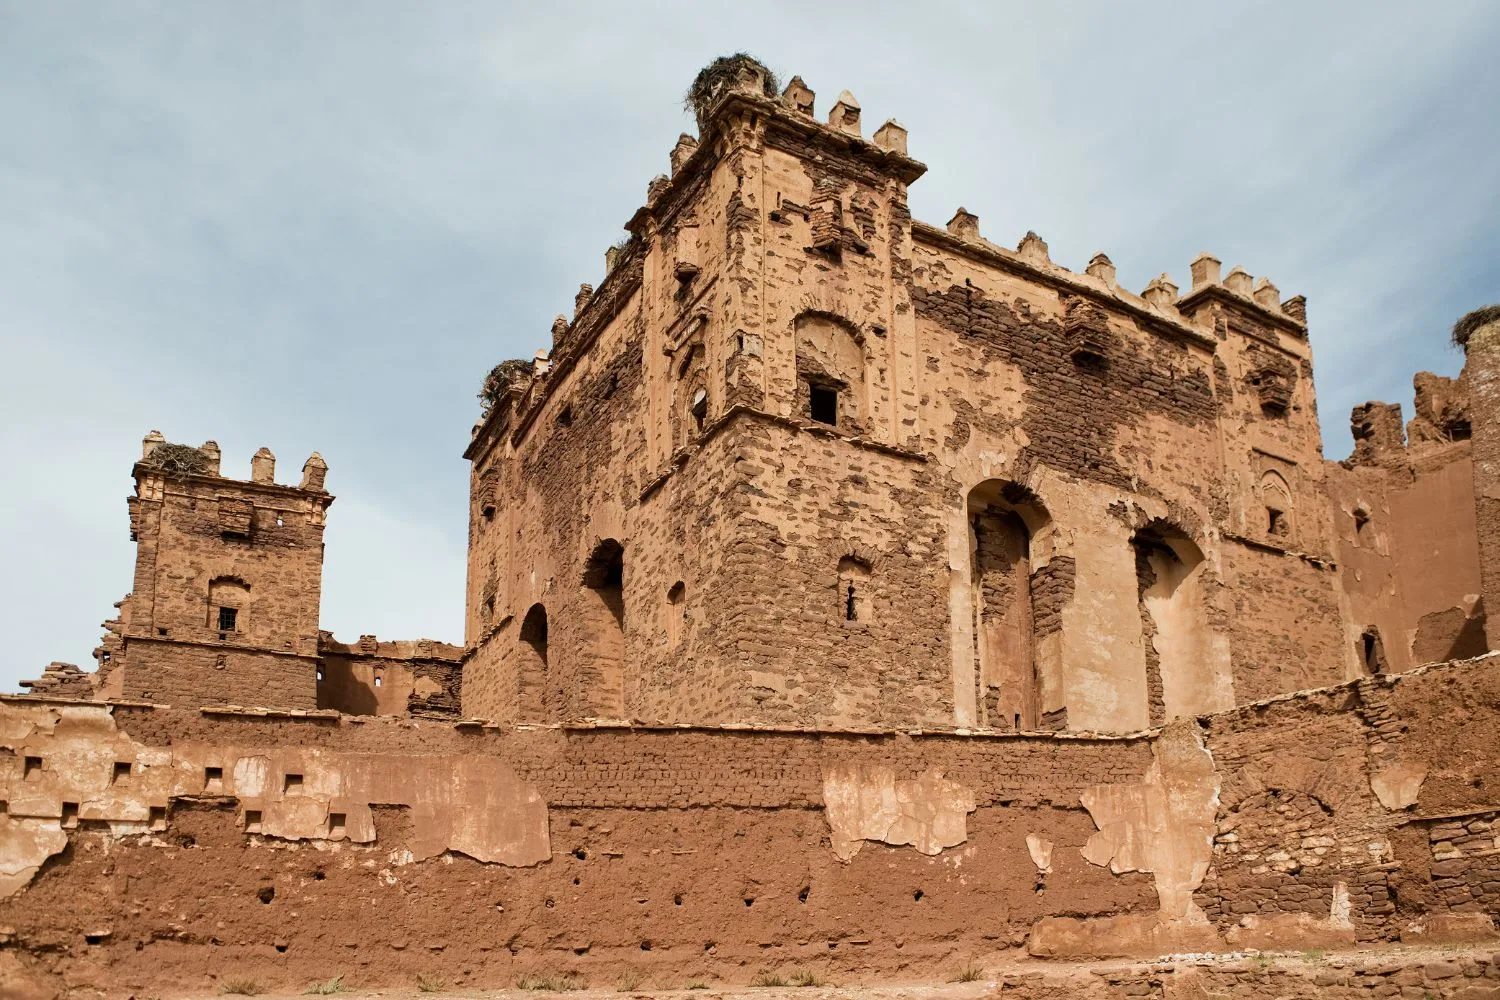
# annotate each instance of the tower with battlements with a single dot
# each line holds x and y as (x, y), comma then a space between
(228, 576)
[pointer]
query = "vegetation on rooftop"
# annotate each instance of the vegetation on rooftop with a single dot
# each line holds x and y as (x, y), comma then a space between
(1465, 327)
(177, 460)
(715, 79)
(501, 378)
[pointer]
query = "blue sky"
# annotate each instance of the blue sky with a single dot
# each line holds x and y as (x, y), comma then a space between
(316, 226)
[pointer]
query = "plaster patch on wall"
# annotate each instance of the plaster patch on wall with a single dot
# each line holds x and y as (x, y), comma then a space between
(24, 845)
(1399, 785)
(864, 802)
(1041, 853)
(71, 765)
(1163, 824)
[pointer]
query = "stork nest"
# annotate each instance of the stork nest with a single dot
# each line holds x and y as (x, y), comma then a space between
(715, 79)
(178, 460)
(1465, 327)
(500, 380)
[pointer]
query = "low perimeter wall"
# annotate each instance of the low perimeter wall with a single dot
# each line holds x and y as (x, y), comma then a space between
(145, 848)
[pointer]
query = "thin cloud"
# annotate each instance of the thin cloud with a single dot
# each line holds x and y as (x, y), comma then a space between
(281, 224)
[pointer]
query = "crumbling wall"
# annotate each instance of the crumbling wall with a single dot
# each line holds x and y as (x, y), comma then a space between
(371, 677)
(1407, 535)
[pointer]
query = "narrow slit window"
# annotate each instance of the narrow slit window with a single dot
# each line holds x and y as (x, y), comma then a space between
(823, 404)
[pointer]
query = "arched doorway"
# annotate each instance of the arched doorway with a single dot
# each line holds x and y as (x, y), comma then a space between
(604, 627)
(1004, 521)
(1184, 658)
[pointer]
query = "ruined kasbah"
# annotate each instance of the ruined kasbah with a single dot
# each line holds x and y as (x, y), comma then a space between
(851, 600)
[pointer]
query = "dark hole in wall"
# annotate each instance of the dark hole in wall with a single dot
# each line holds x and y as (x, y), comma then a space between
(823, 404)
(1371, 651)
(121, 772)
(266, 894)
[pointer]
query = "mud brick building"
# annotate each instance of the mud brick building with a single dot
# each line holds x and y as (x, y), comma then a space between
(844, 592)
(801, 460)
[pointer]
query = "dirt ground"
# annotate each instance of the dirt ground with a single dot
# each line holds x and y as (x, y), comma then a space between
(1306, 974)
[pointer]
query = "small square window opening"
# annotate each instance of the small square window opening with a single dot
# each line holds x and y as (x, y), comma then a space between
(823, 404)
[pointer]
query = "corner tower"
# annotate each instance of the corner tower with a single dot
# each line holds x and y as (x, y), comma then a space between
(228, 577)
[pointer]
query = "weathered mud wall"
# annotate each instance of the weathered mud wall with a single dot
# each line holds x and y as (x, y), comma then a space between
(675, 849)
(1326, 819)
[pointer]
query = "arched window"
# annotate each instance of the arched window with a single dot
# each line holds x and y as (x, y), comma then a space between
(689, 413)
(1276, 500)
(604, 627)
(1371, 652)
(531, 669)
(228, 605)
(830, 373)
(676, 612)
(854, 589)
